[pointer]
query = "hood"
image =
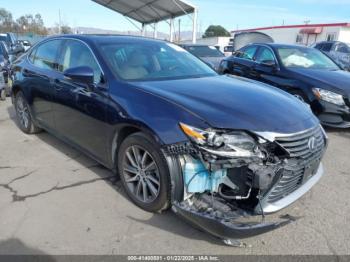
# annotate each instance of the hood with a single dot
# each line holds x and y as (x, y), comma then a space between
(338, 81)
(235, 103)
(213, 61)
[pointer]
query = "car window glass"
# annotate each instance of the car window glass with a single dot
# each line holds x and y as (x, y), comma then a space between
(327, 47)
(342, 48)
(265, 55)
(247, 53)
(77, 54)
(45, 55)
(153, 61)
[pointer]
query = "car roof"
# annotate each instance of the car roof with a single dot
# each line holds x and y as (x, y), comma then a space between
(107, 38)
(279, 45)
(194, 45)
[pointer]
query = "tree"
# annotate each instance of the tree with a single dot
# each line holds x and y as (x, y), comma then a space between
(65, 29)
(6, 20)
(216, 30)
(33, 24)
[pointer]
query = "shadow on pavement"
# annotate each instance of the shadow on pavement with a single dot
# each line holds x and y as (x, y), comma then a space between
(14, 246)
(166, 221)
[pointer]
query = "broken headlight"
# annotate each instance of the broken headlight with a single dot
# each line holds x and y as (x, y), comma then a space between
(329, 96)
(223, 144)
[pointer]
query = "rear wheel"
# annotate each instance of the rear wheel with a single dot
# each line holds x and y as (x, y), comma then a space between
(24, 118)
(144, 173)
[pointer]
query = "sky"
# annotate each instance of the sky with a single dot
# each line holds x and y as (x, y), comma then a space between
(232, 14)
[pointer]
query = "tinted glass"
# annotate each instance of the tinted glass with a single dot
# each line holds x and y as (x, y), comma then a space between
(45, 55)
(265, 55)
(204, 51)
(153, 61)
(247, 53)
(77, 54)
(299, 57)
(342, 48)
(327, 47)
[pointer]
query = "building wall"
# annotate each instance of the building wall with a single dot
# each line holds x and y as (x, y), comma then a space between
(293, 36)
(344, 35)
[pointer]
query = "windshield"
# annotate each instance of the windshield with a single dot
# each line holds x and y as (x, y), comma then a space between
(300, 57)
(153, 61)
(204, 51)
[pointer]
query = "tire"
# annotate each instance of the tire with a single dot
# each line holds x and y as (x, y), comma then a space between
(3, 94)
(24, 118)
(147, 185)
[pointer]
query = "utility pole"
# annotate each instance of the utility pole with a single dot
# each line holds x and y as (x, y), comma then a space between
(179, 40)
(59, 22)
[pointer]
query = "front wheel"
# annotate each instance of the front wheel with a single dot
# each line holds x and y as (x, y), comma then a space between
(144, 173)
(24, 118)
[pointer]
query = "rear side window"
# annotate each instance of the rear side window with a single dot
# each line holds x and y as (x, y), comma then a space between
(44, 56)
(247, 53)
(325, 47)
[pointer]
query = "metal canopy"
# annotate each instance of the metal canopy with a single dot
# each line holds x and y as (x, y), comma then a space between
(152, 11)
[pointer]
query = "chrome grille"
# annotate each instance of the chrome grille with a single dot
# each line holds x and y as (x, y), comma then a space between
(298, 145)
(301, 157)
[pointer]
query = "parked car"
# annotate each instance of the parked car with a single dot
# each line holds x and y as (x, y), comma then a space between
(209, 54)
(243, 39)
(13, 46)
(2, 86)
(217, 149)
(5, 63)
(228, 50)
(339, 51)
(26, 44)
(304, 72)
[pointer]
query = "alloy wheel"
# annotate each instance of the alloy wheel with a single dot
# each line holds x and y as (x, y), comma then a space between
(141, 174)
(22, 112)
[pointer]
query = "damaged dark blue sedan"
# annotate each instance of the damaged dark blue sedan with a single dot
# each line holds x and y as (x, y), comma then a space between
(218, 150)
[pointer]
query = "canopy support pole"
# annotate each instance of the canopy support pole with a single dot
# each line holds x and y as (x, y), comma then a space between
(194, 30)
(171, 29)
(155, 32)
(143, 30)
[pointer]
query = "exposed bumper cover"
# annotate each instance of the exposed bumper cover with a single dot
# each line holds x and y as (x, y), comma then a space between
(291, 198)
(224, 229)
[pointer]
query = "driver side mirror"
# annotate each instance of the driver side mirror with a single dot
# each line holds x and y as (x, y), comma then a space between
(81, 75)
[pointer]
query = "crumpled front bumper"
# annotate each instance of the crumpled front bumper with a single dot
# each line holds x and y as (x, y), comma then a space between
(225, 229)
(269, 208)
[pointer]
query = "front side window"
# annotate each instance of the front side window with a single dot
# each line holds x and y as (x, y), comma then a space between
(247, 52)
(77, 54)
(308, 58)
(153, 61)
(265, 55)
(44, 56)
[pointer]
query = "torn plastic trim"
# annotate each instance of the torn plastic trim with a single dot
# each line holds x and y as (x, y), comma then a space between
(224, 229)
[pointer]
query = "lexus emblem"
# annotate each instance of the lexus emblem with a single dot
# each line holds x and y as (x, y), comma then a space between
(312, 144)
